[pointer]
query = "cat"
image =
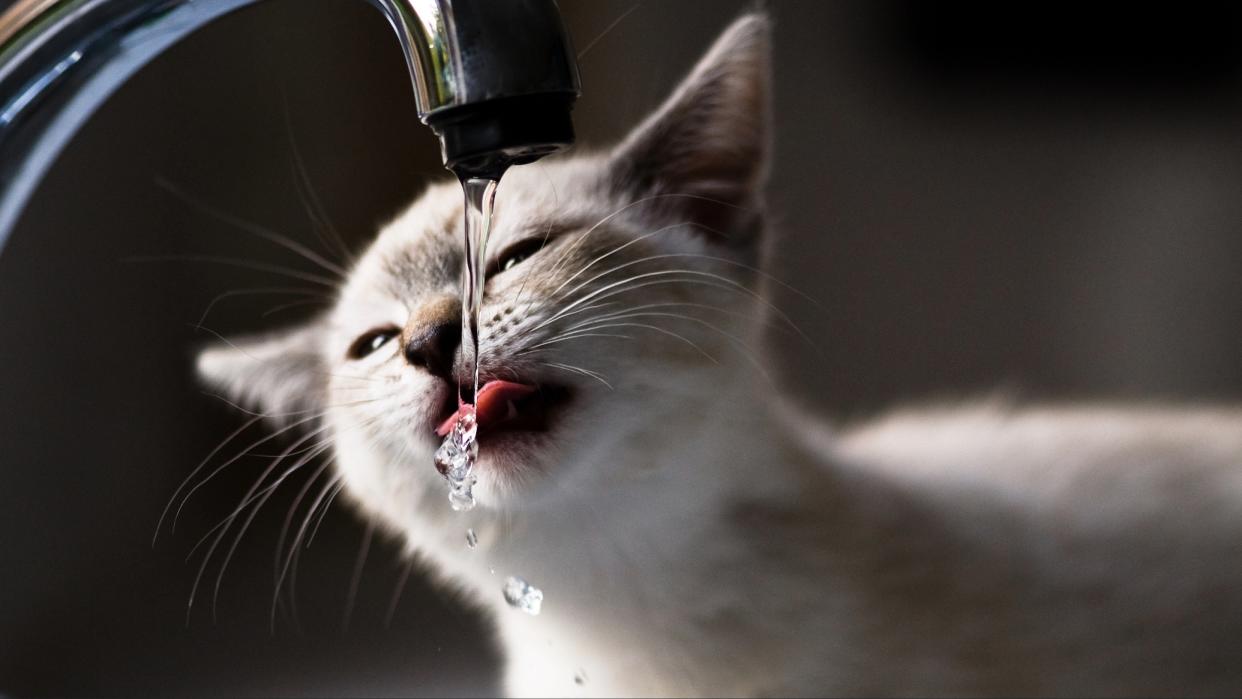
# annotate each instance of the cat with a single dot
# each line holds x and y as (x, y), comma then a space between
(693, 533)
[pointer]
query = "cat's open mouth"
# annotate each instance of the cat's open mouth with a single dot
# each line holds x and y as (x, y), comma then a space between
(506, 406)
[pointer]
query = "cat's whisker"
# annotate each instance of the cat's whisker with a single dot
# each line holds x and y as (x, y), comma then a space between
(291, 304)
(664, 331)
(315, 211)
(612, 25)
(755, 270)
(290, 565)
(243, 264)
(598, 294)
(252, 228)
(314, 415)
(606, 273)
(719, 280)
(294, 553)
(739, 344)
(731, 262)
(356, 578)
(397, 590)
(644, 200)
(526, 332)
(292, 413)
(263, 440)
(517, 298)
(668, 304)
(589, 307)
(223, 529)
(293, 291)
(579, 370)
(568, 336)
(254, 511)
(201, 465)
(589, 328)
(259, 498)
(249, 451)
(323, 512)
(577, 243)
(610, 253)
(347, 377)
(250, 496)
(624, 265)
(278, 572)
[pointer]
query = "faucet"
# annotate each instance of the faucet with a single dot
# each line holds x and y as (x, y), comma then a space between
(494, 79)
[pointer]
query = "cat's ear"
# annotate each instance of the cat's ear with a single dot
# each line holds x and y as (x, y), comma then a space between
(704, 153)
(280, 375)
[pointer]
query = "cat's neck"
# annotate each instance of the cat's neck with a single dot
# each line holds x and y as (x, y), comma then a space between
(659, 524)
(659, 518)
(659, 491)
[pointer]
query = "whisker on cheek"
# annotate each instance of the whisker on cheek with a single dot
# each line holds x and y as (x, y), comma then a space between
(328, 282)
(608, 254)
(279, 570)
(280, 290)
(290, 566)
(579, 370)
(323, 512)
(226, 464)
(253, 495)
(356, 577)
(223, 528)
(397, 590)
(255, 229)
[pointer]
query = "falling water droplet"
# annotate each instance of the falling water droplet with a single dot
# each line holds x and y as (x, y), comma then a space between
(472, 539)
(524, 596)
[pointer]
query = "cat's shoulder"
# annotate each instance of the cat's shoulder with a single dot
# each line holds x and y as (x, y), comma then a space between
(1051, 453)
(1003, 427)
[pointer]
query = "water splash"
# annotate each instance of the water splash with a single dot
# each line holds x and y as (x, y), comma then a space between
(524, 596)
(455, 459)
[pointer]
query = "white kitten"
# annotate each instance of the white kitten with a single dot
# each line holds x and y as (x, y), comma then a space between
(692, 535)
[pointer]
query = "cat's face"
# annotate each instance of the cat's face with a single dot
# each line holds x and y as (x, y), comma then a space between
(616, 286)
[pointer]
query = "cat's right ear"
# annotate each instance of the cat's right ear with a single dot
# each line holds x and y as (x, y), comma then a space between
(702, 156)
(280, 375)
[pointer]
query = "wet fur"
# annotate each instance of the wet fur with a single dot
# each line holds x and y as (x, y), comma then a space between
(694, 536)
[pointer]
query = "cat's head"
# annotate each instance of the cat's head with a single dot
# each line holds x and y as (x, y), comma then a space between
(618, 286)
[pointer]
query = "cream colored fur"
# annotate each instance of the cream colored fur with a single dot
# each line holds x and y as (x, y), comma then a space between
(692, 535)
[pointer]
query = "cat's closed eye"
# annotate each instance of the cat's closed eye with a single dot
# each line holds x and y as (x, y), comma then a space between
(517, 253)
(371, 341)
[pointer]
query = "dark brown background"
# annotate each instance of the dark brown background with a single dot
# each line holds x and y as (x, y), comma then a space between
(1035, 198)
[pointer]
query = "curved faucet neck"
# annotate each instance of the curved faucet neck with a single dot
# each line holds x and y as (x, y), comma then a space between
(492, 94)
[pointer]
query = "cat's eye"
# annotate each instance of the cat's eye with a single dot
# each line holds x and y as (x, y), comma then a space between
(371, 341)
(517, 253)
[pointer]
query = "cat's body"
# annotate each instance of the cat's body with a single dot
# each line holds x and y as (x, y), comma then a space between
(694, 535)
(977, 551)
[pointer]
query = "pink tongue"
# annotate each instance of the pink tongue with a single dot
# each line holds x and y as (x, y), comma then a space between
(491, 405)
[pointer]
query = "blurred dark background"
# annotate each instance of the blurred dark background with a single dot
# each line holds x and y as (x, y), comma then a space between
(1039, 197)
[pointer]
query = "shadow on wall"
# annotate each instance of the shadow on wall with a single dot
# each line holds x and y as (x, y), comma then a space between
(975, 199)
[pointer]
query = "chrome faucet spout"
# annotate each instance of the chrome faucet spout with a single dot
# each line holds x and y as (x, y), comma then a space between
(494, 79)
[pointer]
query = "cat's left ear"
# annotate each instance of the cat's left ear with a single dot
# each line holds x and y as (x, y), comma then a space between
(280, 375)
(704, 153)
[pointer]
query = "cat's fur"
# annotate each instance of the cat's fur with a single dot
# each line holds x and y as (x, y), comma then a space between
(694, 536)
